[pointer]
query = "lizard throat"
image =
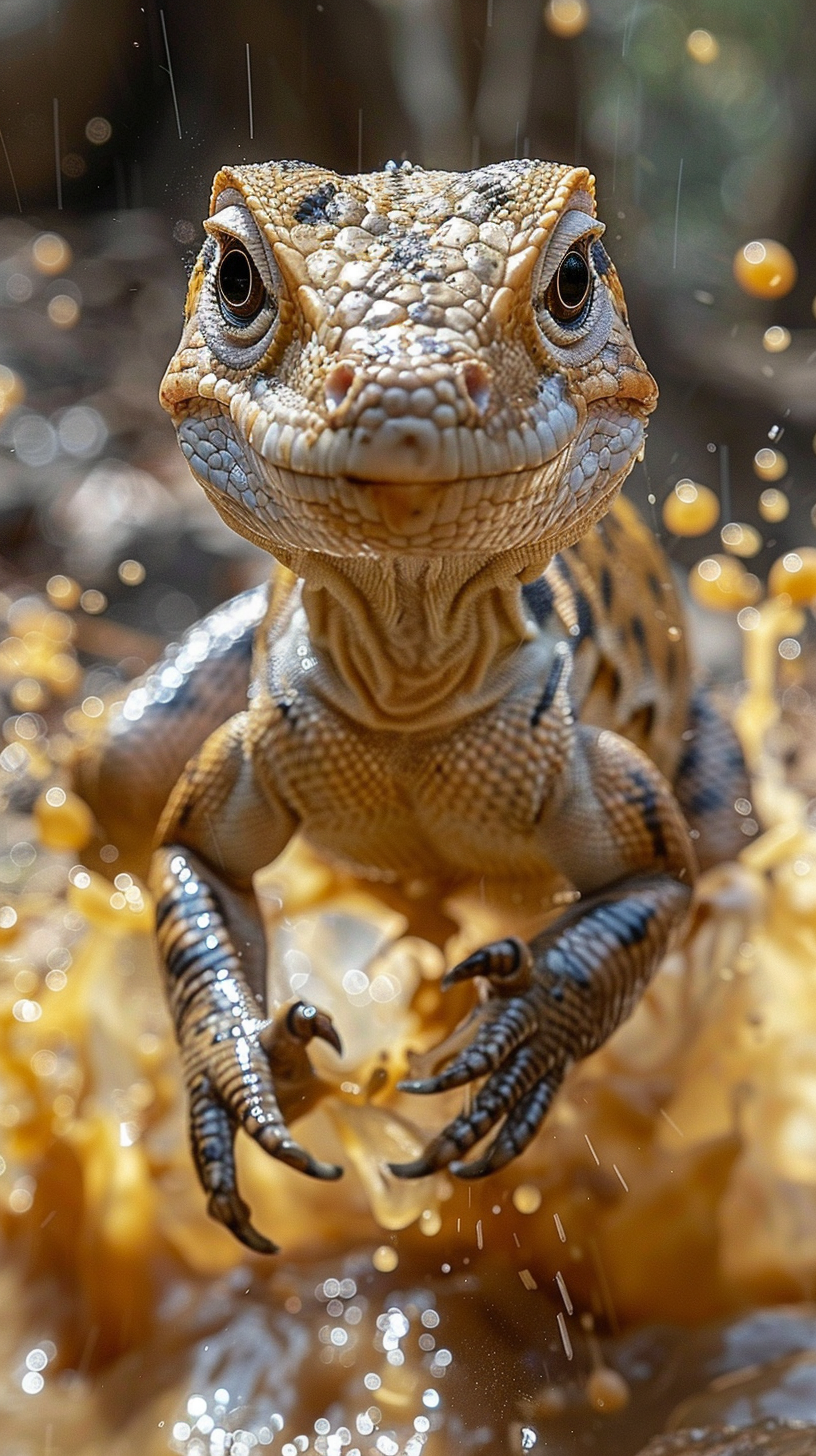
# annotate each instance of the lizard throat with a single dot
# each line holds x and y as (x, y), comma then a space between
(411, 643)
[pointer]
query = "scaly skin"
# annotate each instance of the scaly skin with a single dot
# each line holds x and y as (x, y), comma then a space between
(394, 384)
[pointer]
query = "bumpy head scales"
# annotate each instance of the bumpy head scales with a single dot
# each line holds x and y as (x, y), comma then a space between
(407, 362)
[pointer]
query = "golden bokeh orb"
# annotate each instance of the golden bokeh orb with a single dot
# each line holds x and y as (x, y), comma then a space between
(773, 505)
(527, 1198)
(607, 1391)
(776, 339)
(765, 268)
(741, 539)
(131, 573)
(691, 509)
(51, 254)
(770, 464)
(63, 311)
(794, 575)
(722, 584)
(702, 46)
(93, 602)
(385, 1259)
(63, 591)
(12, 390)
(566, 18)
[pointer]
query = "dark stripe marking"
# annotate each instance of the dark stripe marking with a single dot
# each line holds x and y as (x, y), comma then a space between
(586, 621)
(538, 595)
(648, 802)
(550, 689)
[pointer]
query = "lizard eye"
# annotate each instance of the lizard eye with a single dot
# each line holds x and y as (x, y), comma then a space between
(241, 293)
(569, 291)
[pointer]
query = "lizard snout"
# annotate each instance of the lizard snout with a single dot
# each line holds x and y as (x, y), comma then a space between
(366, 393)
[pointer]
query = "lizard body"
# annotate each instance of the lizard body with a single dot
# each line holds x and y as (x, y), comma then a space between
(419, 391)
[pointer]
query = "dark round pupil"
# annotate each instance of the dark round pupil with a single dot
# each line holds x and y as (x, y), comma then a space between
(573, 280)
(235, 278)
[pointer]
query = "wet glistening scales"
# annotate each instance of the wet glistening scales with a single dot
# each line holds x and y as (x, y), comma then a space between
(420, 393)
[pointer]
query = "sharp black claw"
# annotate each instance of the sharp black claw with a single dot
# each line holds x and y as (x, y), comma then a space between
(230, 1210)
(507, 964)
(329, 1172)
(291, 1153)
(306, 1022)
(418, 1169)
(473, 965)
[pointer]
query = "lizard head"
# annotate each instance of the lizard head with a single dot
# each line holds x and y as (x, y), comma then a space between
(407, 362)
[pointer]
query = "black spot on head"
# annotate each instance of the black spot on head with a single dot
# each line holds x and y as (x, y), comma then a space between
(494, 193)
(410, 253)
(607, 587)
(655, 586)
(601, 258)
(539, 598)
(312, 209)
(491, 189)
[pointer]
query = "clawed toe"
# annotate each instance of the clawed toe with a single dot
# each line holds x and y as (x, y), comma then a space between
(229, 1209)
(306, 1022)
(520, 1093)
(290, 1152)
(436, 1156)
(506, 964)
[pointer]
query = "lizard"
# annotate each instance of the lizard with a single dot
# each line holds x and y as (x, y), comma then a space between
(419, 392)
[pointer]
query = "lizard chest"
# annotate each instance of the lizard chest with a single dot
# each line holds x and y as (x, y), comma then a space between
(407, 805)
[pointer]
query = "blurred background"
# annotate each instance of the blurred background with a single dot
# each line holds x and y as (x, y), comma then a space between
(698, 118)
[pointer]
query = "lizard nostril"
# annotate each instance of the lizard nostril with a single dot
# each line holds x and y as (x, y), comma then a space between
(477, 386)
(338, 383)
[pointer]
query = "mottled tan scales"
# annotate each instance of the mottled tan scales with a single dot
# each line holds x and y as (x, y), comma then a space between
(420, 393)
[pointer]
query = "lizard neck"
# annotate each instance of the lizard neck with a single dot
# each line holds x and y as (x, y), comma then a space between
(410, 642)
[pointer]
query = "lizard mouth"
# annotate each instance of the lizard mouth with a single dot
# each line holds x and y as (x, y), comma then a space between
(384, 507)
(410, 451)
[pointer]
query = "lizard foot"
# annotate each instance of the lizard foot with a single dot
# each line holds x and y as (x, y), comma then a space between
(242, 1069)
(547, 1005)
(257, 1080)
(512, 1050)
